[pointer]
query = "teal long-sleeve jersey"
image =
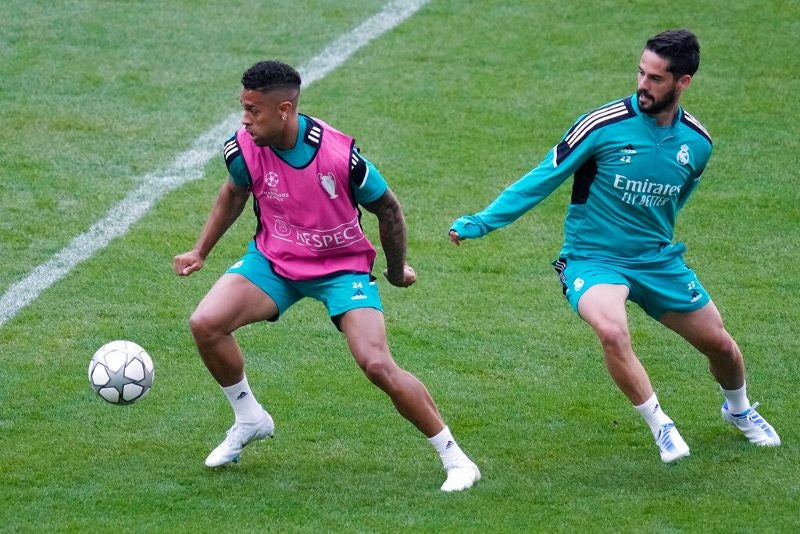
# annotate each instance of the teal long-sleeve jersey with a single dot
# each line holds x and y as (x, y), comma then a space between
(631, 177)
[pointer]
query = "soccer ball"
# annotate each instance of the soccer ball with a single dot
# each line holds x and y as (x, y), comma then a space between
(121, 372)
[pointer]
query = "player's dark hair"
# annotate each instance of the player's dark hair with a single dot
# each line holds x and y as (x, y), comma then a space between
(266, 76)
(680, 48)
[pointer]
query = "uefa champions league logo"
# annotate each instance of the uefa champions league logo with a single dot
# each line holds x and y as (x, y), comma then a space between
(271, 178)
(328, 182)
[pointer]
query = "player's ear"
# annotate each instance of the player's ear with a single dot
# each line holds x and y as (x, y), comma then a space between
(684, 81)
(286, 108)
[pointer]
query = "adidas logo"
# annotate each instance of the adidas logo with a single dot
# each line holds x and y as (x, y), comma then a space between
(449, 444)
(242, 395)
(358, 295)
(628, 149)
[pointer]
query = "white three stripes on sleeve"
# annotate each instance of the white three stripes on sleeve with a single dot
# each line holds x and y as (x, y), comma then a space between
(585, 126)
(230, 148)
(690, 118)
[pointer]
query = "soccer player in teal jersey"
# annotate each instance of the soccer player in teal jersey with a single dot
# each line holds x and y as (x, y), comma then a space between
(635, 163)
(307, 181)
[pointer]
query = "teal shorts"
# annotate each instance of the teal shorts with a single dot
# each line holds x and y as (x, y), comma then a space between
(339, 292)
(659, 285)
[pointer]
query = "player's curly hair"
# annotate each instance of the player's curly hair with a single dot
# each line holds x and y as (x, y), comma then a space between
(266, 76)
(680, 48)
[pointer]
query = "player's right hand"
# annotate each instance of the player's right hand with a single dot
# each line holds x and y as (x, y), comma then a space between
(409, 277)
(454, 237)
(187, 263)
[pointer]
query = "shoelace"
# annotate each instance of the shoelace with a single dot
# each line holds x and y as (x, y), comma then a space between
(755, 418)
(235, 435)
(458, 464)
(751, 411)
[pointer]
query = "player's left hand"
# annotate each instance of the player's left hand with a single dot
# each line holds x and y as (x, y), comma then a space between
(455, 238)
(409, 277)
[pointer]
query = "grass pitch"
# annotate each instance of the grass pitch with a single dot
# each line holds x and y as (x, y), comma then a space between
(453, 105)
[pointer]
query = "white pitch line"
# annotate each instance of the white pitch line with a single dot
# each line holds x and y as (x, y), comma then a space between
(188, 166)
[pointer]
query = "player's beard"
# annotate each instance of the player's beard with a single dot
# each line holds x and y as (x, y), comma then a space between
(657, 106)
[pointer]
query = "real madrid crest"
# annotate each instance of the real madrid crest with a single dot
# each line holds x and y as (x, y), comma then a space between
(683, 155)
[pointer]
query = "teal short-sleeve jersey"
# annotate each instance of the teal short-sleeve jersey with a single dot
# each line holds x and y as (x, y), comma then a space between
(366, 181)
(631, 177)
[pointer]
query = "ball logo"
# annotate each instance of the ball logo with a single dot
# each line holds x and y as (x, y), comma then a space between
(578, 284)
(683, 155)
(271, 179)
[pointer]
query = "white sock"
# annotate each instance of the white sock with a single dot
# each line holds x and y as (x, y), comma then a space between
(445, 444)
(243, 402)
(737, 399)
(652, 413)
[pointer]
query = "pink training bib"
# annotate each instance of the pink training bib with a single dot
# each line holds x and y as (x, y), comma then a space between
(308, 222)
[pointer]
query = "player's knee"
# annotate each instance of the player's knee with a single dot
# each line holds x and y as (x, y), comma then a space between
(722, 345)
(203, 326)
(613, 335)
(381, 372)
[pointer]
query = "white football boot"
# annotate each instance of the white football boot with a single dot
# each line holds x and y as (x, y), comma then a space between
(671, 444)
(753, 426)
(238, 436)
(461, 474)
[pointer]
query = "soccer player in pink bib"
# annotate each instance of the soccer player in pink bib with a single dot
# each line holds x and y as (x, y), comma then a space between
(307, 181)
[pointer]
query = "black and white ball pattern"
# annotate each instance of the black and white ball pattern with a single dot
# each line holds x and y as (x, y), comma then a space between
(121, 372)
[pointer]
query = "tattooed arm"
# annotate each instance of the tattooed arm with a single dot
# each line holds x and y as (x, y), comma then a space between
(392, 229)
